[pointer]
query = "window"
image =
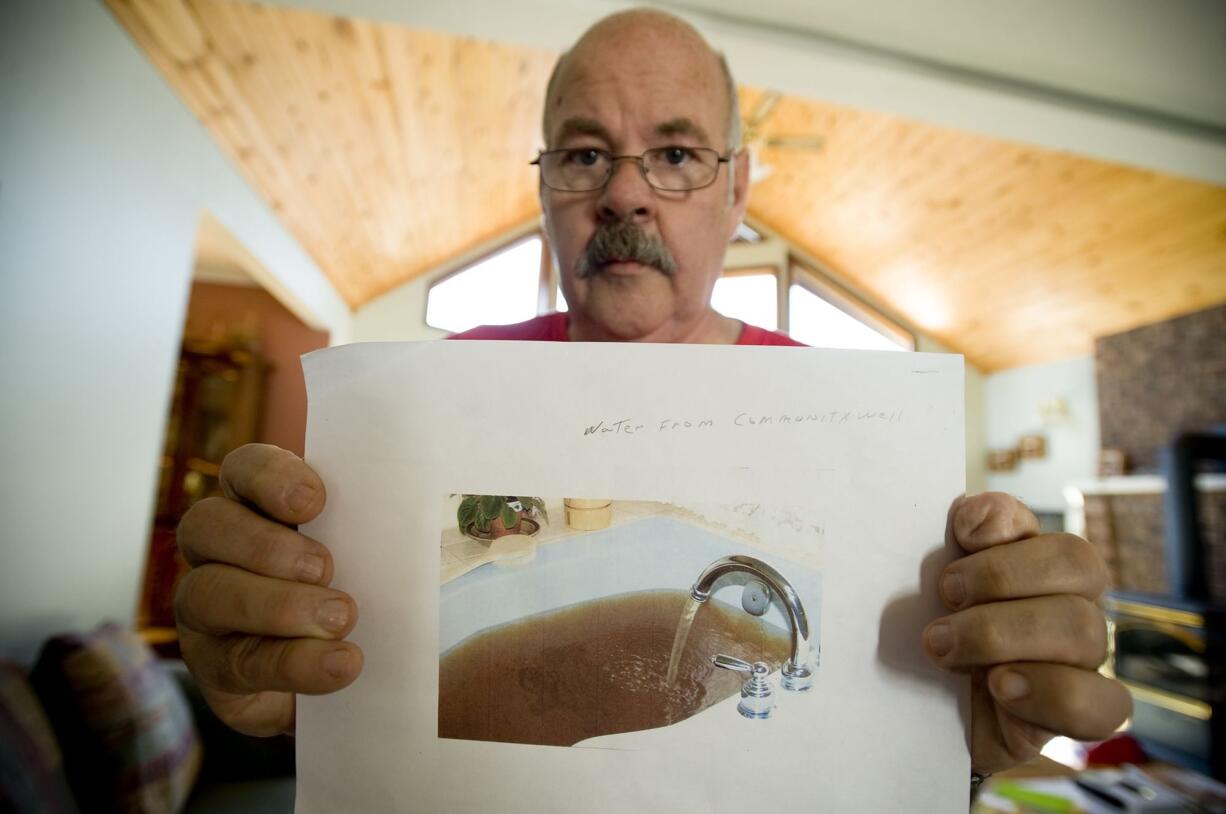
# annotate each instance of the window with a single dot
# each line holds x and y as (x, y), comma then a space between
(746, 234)
(816, 322)
(513, 284)
(750, 296)
(821, 315)
(497, 290)
(814, 311)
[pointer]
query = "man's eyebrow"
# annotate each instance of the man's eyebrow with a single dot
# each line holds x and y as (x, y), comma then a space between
(683, 127)
(578, 126)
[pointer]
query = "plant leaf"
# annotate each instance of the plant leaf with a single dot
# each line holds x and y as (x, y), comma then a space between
(509, 517)
(466, 515)
(491, 505)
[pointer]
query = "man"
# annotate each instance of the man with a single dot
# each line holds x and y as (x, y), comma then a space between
(642, 186)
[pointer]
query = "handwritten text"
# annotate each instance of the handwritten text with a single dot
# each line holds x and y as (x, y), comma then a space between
(629, 426)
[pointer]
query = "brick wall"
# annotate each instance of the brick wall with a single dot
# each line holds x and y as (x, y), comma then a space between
(1157, 380)
(1154, 382)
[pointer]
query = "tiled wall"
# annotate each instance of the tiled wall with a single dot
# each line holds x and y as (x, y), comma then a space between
(1159, 379)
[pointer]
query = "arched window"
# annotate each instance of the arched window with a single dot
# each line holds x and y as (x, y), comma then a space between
(821, 315)
(818, 314)
(780, 291)
(499, 289)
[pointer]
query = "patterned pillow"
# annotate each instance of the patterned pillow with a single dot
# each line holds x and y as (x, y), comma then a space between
(31, 767)
(125, 729)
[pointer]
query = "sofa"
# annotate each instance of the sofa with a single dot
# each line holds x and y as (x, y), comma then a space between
(99, 723)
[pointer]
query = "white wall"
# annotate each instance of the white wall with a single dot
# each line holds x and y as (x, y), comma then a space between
(1012, 399)
(103, 178)
(397, 316)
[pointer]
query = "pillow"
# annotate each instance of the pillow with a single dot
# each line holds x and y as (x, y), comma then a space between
(125, 729)
(31, 767)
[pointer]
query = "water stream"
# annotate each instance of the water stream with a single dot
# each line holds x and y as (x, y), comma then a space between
(683, 633)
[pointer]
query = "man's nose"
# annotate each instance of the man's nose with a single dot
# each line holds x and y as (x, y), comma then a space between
(627, 195)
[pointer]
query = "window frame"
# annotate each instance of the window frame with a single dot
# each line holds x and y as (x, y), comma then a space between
(791, 267)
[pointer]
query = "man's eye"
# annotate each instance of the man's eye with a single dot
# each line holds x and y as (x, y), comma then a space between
(584, 158)
(676, 156)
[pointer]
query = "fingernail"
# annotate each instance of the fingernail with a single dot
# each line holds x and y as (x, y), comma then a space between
(954, 590)
(310, 568)
(940, 639)
(333, 614)
(338, 663)
(300, 498)
(1011, 686)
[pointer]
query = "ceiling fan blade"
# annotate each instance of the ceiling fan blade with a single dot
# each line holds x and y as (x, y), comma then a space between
(795, 142)
(762, 108)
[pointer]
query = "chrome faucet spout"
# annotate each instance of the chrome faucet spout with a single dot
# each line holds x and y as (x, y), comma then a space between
(798, 670)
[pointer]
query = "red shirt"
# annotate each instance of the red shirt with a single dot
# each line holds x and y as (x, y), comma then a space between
(552, 328)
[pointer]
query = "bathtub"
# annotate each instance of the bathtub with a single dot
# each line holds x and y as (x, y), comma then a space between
(660, 552)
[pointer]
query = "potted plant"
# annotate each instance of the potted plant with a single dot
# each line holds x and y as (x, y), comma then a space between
(497, 515)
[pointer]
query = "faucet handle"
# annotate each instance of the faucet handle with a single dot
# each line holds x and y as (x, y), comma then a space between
(731, 663)
(756, 692)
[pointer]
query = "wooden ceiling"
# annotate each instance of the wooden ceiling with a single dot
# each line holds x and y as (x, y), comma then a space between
(1010, 254)
(388, 151)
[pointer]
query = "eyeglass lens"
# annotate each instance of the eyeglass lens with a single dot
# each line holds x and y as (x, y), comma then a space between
(674, 169)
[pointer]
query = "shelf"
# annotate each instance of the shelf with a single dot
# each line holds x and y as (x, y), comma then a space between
(1139, 485)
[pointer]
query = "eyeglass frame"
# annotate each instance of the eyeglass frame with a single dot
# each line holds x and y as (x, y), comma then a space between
(638, 159)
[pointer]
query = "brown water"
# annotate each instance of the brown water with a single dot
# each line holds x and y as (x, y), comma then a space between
(595, 669)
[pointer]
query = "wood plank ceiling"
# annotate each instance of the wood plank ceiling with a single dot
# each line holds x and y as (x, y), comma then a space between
(1010, 254)
(388, 151)
(385, 151)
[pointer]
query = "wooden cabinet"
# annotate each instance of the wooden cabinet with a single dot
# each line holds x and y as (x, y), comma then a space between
(217, 406)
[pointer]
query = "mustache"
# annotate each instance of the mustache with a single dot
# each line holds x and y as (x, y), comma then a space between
(624, 241)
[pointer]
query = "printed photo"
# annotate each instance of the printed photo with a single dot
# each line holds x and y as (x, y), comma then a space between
(562, 620)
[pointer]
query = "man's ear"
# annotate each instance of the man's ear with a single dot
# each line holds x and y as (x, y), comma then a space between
(739, 166)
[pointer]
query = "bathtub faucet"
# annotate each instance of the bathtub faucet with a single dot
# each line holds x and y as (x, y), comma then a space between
(798, 669)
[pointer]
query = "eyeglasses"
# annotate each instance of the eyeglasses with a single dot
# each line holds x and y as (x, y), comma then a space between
(672, 169)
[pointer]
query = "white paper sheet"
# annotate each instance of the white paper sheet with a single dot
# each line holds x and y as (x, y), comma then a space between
(861, 452)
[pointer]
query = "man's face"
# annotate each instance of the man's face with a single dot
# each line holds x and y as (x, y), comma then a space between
(630, 91)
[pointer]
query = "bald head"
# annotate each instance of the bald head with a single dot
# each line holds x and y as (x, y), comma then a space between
(635, 35)
(644, 85)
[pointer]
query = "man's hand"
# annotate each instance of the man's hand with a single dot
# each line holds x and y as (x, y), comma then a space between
(257, 621)
(1026, 629)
